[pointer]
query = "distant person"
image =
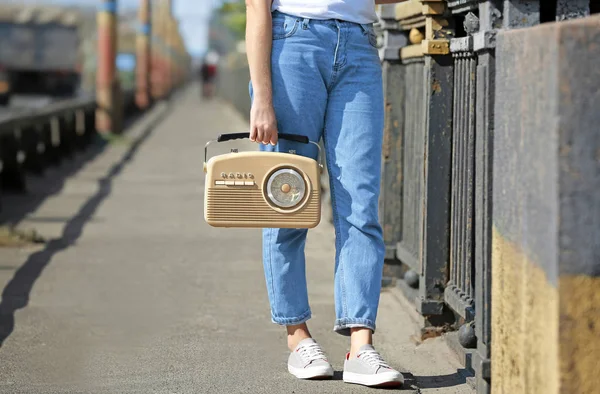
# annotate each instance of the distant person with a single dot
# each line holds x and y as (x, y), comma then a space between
(315, 70)
(208, 73)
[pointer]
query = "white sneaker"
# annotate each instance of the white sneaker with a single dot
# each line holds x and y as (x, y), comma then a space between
(369, 369)
(308, 361)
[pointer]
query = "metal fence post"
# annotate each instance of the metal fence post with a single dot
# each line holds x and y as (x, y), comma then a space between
(459, 293)
(438, 133)
(34, 160)
(424, 157)
(410, 21)
(490, 17)
(66, 130)
(13, 173)
(50, 139)
(393, 85)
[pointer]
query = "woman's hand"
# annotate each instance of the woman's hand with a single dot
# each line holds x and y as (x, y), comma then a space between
(263, 125)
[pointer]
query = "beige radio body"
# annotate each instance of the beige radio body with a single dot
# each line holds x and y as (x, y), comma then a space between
(241, 190)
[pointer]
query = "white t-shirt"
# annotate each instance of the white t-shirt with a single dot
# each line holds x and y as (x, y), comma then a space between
(357, 11)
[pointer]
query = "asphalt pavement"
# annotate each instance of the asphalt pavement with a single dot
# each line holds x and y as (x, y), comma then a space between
(133, 292)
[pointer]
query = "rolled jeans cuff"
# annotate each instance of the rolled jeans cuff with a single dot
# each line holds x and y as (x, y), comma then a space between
(343, 326)
(291, 321)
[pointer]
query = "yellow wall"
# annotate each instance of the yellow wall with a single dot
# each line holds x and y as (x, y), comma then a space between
(579, 334)
(545, 340)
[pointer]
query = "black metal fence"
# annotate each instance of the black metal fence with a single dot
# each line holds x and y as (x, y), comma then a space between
(412, 193)
(436, 205)
(439, 75)
(460, 290)
(31, 141)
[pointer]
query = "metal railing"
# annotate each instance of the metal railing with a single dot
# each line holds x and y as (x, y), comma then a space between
(436, 206)
(412, 167)
(31, 141)
(460, 290)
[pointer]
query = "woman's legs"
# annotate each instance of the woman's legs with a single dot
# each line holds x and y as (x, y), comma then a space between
(353, 140)
(299, 99)
(327, 76)
(327, 81)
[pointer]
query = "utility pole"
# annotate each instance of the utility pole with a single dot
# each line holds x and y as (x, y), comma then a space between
(168, 18)
(108, 116)
(143, 67)
(160, 57)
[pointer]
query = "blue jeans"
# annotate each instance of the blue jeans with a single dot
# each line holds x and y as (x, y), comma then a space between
(327, 83)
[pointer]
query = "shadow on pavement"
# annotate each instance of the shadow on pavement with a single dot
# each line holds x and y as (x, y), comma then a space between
(409, 383)
(16, 206)
(16, 293)
(437, 381)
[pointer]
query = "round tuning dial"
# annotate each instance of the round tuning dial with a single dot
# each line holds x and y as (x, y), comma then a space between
(286, 188)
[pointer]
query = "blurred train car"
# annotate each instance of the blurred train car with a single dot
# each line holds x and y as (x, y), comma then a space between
(39, 52)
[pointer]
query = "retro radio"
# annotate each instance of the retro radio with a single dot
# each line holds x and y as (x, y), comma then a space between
(262, 189)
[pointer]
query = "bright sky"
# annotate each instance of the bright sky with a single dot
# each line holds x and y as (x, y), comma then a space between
(192, 14)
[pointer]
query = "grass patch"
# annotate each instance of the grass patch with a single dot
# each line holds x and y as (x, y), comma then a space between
(115, 139)
(11, 237)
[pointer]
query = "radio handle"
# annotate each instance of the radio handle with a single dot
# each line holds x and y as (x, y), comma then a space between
(290, 137)
(282, 136)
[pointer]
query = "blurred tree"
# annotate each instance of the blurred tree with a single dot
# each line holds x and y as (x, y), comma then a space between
(233, 16)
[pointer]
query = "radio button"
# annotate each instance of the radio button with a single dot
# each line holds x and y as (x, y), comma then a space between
(219, 182)
(229, 183)
(249, 183)
(239, 183)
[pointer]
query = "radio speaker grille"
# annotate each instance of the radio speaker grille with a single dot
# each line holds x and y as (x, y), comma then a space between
(248, 205)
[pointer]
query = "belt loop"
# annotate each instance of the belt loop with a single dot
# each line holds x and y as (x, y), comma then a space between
(305, 23)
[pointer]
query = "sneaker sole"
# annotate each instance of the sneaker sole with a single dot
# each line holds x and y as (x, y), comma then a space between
(377, 380)
(311, 373)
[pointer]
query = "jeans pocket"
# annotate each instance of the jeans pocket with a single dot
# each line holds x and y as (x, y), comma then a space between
(370, 33)
(284, 27)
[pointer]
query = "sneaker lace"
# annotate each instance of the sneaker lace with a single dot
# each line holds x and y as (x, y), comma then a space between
(311, 353)
(373, 358)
